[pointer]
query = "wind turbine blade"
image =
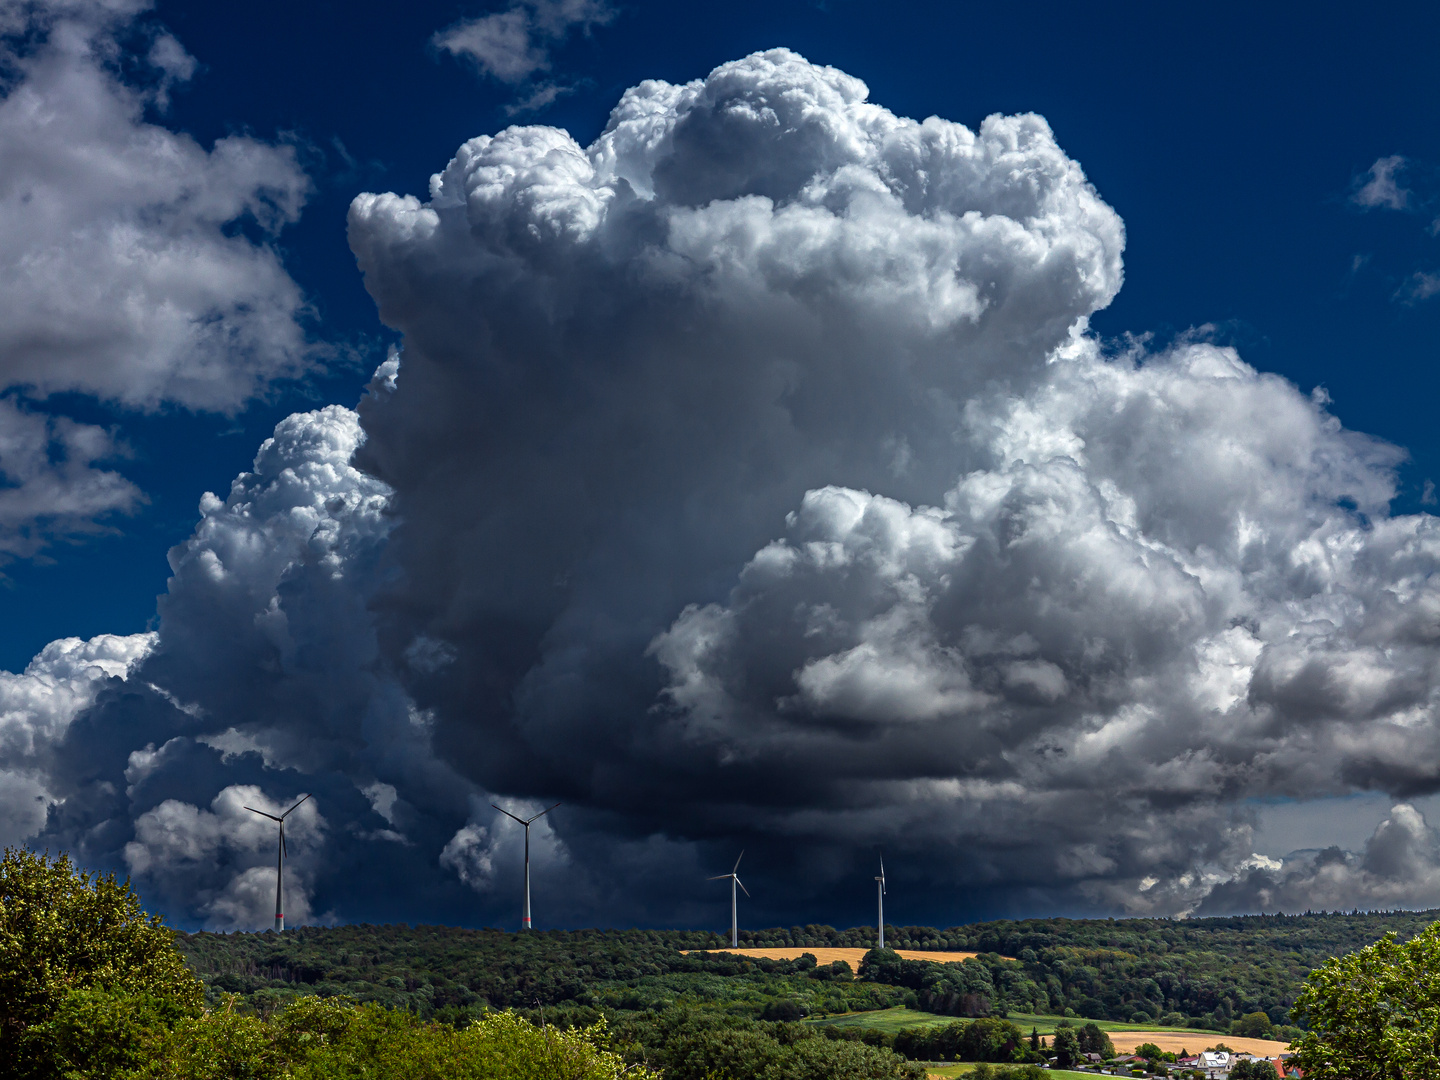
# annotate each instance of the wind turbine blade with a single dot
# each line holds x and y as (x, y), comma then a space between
(742, 887)
(719, 877)
(262, 813)
(292, 809)
(511, 816)
(283, 849)
(737, 861)
(542, 813)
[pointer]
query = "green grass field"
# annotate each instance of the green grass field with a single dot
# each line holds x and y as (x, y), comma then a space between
(1046, 1024)
(896, 1019)
(899, 1018)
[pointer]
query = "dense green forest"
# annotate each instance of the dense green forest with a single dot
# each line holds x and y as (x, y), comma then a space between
(1202, 973)
(93, 988)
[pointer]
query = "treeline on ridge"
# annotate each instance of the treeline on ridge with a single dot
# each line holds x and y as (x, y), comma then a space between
(1199, 972)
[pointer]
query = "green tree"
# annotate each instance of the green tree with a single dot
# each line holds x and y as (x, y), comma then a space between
(1066, 1047)
(73, 944)
(991, 1039)
(1253, 1070)
(1094, 1041)
(1153, 1054)
(1374, 1014)
(1255, 1025)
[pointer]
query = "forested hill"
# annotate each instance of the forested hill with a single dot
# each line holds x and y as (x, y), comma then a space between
(1201, 972)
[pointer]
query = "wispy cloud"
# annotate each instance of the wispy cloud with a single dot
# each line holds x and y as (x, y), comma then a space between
(1396, 183)
(1419, 286)
(1379, 188)
(514, 46)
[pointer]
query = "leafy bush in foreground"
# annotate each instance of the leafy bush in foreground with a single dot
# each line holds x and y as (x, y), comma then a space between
(80, 961)
(1375, 1014)
(327, 1040)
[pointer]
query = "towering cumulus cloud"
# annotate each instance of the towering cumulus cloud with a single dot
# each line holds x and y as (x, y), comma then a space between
(751, 476)
(625, 364)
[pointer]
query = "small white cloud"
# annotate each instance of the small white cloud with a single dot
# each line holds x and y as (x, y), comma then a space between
(1419, 286)
(470, 853)
(52, 483)
(1381, 188)
(542, 96)
(514, 45)
(382, 798)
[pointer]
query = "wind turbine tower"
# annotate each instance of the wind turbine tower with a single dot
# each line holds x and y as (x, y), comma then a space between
(880, 882)
(734, 915)
(279, 863)
(525, 919)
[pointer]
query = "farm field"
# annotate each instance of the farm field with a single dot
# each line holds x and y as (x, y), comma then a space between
(1125, 1042)
(850, 956)
(889, 1020)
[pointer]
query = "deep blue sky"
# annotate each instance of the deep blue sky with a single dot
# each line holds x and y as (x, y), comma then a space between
(1228, 137)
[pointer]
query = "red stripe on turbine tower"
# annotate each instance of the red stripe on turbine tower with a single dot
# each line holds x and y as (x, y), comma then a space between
(525, 916)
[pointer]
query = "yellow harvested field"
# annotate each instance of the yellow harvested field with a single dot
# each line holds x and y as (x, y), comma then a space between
(850, 956)
(1171, 1042)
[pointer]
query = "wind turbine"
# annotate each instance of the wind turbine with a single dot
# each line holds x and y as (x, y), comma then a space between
(734, 881)
(525, 920)
(280, 863)
(880, 881)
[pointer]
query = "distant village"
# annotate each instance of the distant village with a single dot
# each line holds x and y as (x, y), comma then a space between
(1205, 1065)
